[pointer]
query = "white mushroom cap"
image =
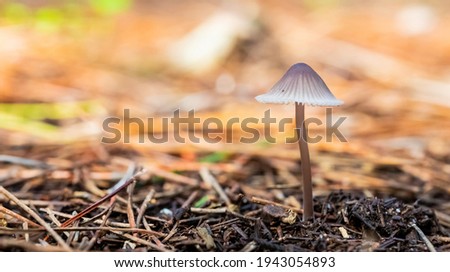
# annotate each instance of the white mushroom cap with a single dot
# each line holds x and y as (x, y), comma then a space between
(300, 84)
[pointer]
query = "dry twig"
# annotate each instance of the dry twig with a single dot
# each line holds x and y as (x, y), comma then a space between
(211, 180)
(41, 221)
(424, 237)
(143, 207)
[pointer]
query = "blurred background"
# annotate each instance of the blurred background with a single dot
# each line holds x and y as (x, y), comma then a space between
(67, 65)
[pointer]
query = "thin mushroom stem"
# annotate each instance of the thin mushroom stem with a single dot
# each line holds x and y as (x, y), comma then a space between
(305, 161)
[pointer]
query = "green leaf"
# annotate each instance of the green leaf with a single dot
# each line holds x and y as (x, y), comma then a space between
(201, 202)
(59, 110)
(27, 126)
(49, 19)
(15, 12)
(215, 157)
(110, 7)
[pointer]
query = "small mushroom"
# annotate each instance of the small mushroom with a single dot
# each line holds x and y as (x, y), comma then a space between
(303, 86)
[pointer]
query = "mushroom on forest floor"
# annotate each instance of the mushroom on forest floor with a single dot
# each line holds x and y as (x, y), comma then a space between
(303, 86)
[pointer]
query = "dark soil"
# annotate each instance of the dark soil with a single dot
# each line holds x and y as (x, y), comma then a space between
(194, 218)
